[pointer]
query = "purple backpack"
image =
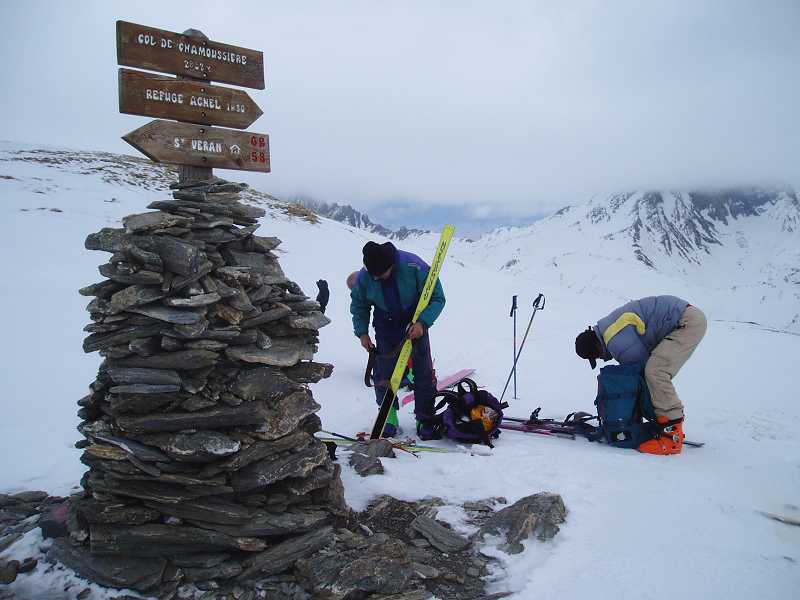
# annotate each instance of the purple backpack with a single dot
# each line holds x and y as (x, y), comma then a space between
(471, 416)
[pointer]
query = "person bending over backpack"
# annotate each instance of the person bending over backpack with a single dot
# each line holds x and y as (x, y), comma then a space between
(662, 330)
(390, 285)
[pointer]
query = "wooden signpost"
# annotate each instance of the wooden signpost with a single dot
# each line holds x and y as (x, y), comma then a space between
(190, 99)
(201, 146)
(152, 95)
(182, 54)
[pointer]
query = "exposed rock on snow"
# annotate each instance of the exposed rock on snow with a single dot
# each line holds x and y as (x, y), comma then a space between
(538, 515)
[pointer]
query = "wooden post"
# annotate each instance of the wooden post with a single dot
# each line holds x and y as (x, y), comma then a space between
(187, 173)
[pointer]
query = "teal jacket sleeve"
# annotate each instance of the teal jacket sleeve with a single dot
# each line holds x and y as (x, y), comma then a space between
(360, 308)
(436, 303)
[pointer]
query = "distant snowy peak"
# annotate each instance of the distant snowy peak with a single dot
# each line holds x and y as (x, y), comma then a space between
(684, 225)
(350, 216)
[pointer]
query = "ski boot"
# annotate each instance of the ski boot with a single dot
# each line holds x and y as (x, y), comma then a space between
(428, 430)
(669, 439)
(390, 430)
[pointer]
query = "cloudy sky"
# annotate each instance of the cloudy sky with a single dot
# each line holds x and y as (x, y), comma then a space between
(498, 109)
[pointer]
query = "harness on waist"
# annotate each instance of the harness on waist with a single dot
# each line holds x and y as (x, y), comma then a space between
(392, 322)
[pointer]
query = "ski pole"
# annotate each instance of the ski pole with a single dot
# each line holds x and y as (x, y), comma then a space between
(513, 313)
(536, 306)
(339, 435)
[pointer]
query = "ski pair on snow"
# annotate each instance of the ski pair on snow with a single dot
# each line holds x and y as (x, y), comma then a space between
(387, 412)
(574, 425)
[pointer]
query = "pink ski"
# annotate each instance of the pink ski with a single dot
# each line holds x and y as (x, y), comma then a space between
(442, 384)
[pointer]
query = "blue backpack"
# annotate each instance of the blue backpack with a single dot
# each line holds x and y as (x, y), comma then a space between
(624, 406)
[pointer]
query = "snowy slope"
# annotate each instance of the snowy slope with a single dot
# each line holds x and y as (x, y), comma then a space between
(733, 252)
(635, 521)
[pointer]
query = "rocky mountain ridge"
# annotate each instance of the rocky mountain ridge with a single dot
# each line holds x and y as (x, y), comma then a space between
(732, 246)
(344, 213)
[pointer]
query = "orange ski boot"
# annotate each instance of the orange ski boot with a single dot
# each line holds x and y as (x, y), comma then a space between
(670, 438)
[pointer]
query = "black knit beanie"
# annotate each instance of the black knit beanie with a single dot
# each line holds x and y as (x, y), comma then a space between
(587, 346)
(378, 257)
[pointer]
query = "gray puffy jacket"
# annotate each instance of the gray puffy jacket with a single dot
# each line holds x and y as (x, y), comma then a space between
(630, 332)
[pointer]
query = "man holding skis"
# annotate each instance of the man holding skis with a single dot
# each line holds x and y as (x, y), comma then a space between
(662, 330)
(390, 285)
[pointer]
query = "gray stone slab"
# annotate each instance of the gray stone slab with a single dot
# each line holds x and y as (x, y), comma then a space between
(225, 570)
(273, 314)
(200, 446)
(135, 295)
(284, 352)
(366, 465)
(164, 540)
(268, 524)
(140, 574)
(141, 451)
(193, 301)
(258, 451)
(209, 510)
(140, 277)
(139, 404)
(309, 372)
(263, 383)
(178, 256)
(264, 244)
(94, 511)
(311, 320)
(122, 375)
(170, 315)
(107, 239)
(103, 289)
(443, 539)
(265, 472)
(150, 221)
(180, 360)
(144, 388)
(282, 556)
(250, 413)
(100, 341)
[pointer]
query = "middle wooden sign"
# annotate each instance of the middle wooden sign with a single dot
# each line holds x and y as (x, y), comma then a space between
(184, 100)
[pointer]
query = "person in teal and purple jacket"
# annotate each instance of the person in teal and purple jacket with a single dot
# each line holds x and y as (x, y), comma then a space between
(389, 286)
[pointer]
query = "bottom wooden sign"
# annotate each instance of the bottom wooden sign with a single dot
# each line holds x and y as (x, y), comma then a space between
(201, 146)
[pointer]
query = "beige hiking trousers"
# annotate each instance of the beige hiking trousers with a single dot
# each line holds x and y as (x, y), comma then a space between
(667, 359)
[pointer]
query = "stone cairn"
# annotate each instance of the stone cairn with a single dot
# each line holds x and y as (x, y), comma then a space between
(203, 468)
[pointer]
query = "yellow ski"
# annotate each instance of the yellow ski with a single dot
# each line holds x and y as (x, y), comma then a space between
(387, 412)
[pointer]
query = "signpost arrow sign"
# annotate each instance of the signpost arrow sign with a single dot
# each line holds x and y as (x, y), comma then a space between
(201, 146)
(152, 95)
(170, 52)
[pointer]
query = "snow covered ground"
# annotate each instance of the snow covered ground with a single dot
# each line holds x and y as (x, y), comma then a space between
(637, 525)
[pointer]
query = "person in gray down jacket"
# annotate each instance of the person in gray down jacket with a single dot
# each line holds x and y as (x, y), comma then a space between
(663, 331)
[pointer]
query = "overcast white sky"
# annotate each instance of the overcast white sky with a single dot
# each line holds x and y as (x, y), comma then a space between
(504, 107)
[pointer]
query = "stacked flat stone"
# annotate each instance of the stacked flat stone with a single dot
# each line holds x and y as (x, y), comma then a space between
(199, 427)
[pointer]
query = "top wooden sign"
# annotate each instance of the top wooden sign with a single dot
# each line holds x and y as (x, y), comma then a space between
(169, 52)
